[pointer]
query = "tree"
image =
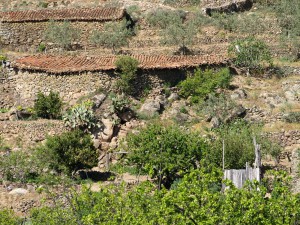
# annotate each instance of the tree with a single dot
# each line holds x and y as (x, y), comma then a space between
(48, 106)
(176, 30)
(164, 152)
(250, 52)
(68, 152)
(62, 34)
(126, 70)
(239, 148)
(114, 35)
(202, 83)
(181, 34)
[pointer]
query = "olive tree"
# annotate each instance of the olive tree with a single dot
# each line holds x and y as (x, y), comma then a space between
(62, 34)
(114, 36)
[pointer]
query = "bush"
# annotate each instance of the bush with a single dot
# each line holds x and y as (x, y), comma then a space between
(202, 83)
(17, 166)
(68, 152)
(114, 35)
(48, 106)
(162, 18)
(81, 116)
(293, 117)
(250, 52)
(182, 2)
(239, 148)
(63, 35)
(7, 217)
(164, 151)
(126, 69)
(41, 47)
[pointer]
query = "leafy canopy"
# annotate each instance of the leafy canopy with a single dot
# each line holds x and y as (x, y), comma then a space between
(164, 151)
(126, 69)
(250, 52)
(202, 83)
(114, 35)
(62, 34)
(48, 106)
(68, 152)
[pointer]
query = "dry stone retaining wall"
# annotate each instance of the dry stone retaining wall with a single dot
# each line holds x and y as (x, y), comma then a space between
(28, 133)
(28, 35)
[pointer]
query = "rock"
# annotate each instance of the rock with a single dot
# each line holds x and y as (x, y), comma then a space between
(229, 7)
(215, 122)
(108, 130)
(237, 112)
(96, 143)
(162, 100)
(99, 99)
(150, 107)
(173, 97)
(18, 191)
(127, 115)
(239, 94)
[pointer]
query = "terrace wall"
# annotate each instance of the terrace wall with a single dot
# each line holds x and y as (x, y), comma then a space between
(72, 87)
(27, 36)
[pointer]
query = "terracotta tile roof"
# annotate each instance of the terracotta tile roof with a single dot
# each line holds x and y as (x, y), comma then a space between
(70, 64)
(78, 14)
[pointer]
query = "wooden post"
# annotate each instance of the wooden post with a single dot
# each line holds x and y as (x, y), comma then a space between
(107, 161)
(223, 154)
(257, 154)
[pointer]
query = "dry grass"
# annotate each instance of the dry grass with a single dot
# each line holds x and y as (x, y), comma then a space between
(281, 126)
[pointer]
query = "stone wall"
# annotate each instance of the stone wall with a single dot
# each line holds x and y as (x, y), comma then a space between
(25, 85)
(7, 85)
(27, 36)
(27, 133)
(286, 138)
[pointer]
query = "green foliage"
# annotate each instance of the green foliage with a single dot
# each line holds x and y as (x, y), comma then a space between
(126, 70)
(114, 35)
(3, 110)
(7, 217)
(119, 103)
(196, 199)
(202, 83)
(162, 18)
(2, 58)
(250, 52)
(292, 117)
(81, 116)
(41, 47)
(43, 4)
(62, 34)
(68, 152)
(239, 148)
(17, 166)
(251, 24)
(164, 151)
(48, 106)
(219, 106)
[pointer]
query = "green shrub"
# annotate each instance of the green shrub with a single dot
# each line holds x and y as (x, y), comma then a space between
(81, 116)
(250, 52)
(62, 34)
(114, 35)
(182, 2)
(162, 18)
(126, 70)
(17, 166)
(239, 148)
(41, 47)
(48, 106)
(164, 151)
(202, 83)
(68, 152)
(7, 217)
(292, 117)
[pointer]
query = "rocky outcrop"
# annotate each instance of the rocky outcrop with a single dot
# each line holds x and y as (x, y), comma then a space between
(229, 7)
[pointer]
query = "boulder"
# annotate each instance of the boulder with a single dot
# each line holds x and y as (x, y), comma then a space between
(18, 191)
(173, 97)
(98, 100)
(108, 130)
(127, 115)
(150, 107)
